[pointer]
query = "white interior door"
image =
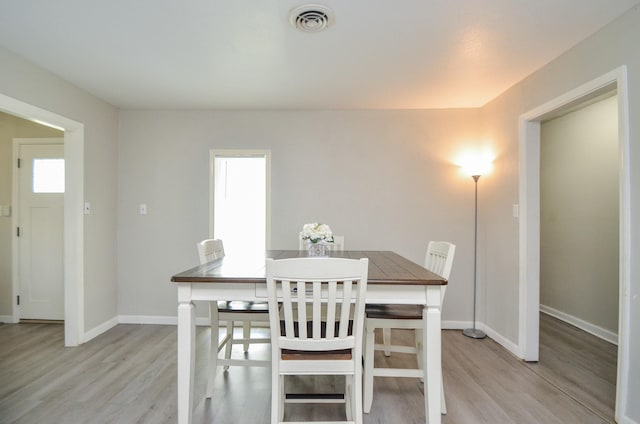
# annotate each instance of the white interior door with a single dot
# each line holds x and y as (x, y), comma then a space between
(40, 231)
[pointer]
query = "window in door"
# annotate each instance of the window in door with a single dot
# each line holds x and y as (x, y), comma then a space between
(48, 175)
(240, 200)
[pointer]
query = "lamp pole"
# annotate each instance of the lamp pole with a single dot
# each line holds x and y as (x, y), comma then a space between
(473, 332)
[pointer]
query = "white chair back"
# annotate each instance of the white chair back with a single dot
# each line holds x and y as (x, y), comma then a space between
(231, 312)
(210, 249)
(439, 258)
(316, 296)
(338, 243)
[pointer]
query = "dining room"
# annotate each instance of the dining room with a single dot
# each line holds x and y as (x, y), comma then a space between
(387, 178)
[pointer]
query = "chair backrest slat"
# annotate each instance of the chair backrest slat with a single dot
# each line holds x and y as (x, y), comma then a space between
(317, 309)
(287, 308)
(344, 312)
(301, 295)
(332, 293)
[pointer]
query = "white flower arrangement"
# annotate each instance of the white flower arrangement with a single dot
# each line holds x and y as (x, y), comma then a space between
(315, 232)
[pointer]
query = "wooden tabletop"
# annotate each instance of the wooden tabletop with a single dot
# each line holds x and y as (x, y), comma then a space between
(384, 268)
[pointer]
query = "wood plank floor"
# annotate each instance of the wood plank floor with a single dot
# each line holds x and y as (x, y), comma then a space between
(581, 365)
(128, 375)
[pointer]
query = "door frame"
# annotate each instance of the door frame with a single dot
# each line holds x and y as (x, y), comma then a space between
(529, 231)
(73, 212)
(15, 216)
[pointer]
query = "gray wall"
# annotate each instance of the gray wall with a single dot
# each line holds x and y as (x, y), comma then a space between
(579, 225)
(384, 179)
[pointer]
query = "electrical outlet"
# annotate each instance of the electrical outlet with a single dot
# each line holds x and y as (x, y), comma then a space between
(143, 208)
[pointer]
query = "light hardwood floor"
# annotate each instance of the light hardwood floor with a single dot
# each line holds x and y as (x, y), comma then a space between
(581, 365)
(128, 375)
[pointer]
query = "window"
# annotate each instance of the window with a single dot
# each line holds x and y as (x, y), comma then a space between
(48, 175)
(240, 200)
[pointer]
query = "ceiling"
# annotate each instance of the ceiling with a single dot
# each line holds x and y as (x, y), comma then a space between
(244, 54)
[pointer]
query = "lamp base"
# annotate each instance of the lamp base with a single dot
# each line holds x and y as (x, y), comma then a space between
(474, 333)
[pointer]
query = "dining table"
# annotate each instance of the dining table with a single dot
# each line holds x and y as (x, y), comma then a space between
(393, 279)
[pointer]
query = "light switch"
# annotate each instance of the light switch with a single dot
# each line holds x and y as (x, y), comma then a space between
(143, 208)
(516, 211)
(87, 208)
(6, 210)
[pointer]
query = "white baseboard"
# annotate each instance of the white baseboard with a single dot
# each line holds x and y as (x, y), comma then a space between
(147, 319)
(157, 320)
(626, 420)
(102, 328)
(204, 321)
(137, 319)
(455, 325)
(7, 319)
(500, 339)
(491, 333)
(600, 332)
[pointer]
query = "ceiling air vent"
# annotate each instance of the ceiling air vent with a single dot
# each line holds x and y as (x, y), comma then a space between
(311, 17)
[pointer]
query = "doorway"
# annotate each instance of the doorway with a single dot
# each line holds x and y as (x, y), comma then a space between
(579, 283)
(73, 213)
(240, 200)
(40, 184)
(579, 214)
(529, 198)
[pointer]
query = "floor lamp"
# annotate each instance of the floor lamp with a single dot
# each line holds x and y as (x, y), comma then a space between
(474, 333)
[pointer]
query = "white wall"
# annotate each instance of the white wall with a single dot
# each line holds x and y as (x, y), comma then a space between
(613, 46)
(27, 83)
(579, 210)
(383, 179)
(11, 127)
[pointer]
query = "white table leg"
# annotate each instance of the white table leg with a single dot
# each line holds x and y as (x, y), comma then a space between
(213, 351)
(432, 354)
(186, 353)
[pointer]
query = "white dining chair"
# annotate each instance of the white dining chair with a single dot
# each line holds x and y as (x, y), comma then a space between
(231, 312)
(319, 329)
(439, 260)
(337, 245)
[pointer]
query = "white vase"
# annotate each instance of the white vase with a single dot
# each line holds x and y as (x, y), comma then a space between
(318, 249)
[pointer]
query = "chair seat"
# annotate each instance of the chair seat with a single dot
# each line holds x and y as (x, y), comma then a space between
(394, 311)
(243, 306)
(313, 355)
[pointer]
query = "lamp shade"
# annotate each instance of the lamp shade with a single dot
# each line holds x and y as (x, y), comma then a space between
(476, 166)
